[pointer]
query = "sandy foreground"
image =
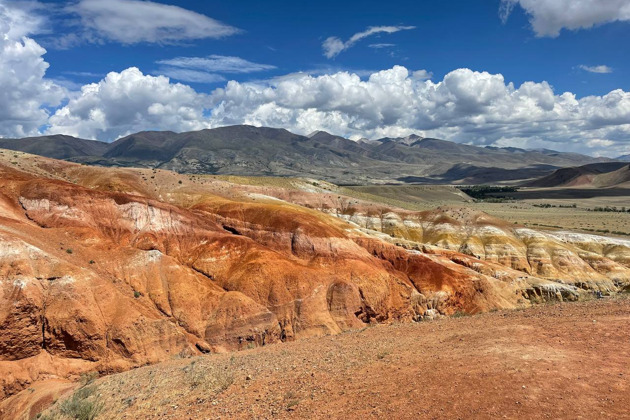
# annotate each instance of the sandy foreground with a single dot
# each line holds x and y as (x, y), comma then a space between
(568, 360)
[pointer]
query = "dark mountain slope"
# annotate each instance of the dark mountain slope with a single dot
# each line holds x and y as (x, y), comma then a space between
(248, 150)
(56, 147)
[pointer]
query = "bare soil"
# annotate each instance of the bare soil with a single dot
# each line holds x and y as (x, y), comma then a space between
(568, 360)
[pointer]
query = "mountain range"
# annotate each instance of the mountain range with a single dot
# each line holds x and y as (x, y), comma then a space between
(248, 150)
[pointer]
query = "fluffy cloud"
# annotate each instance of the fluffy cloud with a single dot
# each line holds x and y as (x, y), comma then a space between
(24, 91)
(466, 106)
(135, 21)
(596, 69)
(549, 17)
(333, 45)
(127, 102)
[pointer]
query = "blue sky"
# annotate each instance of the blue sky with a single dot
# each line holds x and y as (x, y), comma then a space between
(240, 62)
(448, 35)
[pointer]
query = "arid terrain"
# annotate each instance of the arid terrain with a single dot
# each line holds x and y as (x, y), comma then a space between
(551, 361)
(314, 210)
(106, 270)
(526, 208)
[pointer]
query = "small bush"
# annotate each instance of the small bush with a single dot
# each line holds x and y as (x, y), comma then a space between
(136, 294)
(69, 251)
(206, 377)
(291, 400)
(80, 406)
(382, 355)
(223, 380)
(195, 375)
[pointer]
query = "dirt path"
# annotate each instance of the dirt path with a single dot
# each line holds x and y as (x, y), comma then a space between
(554, 361)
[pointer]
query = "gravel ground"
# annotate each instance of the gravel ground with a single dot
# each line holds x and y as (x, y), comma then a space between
(567, 360)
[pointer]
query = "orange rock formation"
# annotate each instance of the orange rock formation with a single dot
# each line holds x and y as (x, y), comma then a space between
(109, 269)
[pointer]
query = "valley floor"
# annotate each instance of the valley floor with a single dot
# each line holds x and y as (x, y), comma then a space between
(569, 360)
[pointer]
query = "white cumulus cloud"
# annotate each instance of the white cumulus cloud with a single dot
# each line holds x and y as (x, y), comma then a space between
(466, 106)
(24, 90)
(135, 21)
(549, 17)
(128, 102)
(333, 45)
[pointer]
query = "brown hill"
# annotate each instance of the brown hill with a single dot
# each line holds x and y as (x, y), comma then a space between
(105, 269)
(577, 176)
(57, 146)
(618, 178)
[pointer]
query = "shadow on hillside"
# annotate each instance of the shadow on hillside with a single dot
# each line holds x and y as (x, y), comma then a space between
(569, 193)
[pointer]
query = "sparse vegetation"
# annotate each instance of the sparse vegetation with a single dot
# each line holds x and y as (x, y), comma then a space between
(560, 206)
(195, 375)
(84, 404)
(199, 375)
(87, 378)
(611, 209)
(381, 355)
(489, 194)
(291, 399)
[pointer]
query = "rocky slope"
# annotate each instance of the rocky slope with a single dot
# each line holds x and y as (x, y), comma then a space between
(107, 269)
(255, 151)
(600, 175)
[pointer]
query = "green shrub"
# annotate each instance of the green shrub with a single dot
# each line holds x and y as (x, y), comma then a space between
(81, 406)
(84, 404)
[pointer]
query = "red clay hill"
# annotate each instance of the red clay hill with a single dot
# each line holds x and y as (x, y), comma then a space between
(105, 269)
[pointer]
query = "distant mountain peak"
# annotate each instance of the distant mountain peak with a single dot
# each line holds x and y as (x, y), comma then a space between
(318, 132)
